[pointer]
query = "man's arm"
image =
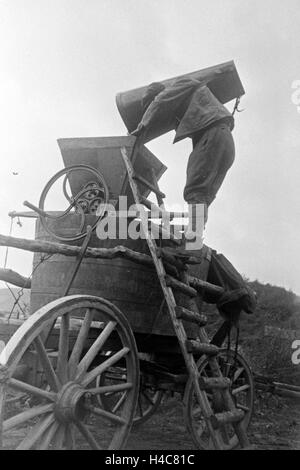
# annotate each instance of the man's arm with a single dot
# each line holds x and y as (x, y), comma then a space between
(167, 103)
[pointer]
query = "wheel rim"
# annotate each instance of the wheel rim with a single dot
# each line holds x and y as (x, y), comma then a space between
(91, 199)
(242, 390)
(93, 336)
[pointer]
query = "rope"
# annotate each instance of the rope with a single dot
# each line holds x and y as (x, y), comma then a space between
(7, 248)
(236, 107)
(236, 346)
(19, 295)
(21, 291)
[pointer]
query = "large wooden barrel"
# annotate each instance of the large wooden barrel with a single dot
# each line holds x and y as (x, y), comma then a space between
(134, 288)
(222, 79)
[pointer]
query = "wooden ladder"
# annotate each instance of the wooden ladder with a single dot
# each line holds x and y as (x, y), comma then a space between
(169, 284)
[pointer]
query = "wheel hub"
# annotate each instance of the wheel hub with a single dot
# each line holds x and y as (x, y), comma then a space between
(71, 403)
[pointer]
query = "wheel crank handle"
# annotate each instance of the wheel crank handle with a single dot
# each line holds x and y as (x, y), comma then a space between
(36, 209)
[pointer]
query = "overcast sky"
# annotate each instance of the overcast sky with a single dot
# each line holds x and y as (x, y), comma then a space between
(63, 61)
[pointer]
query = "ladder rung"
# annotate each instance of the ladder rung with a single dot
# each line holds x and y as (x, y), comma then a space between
(171, 259)
(166, 234)
(159, 212)
(178, 285)
(170, 269)
(211, 383)
(227, 417)
(173, 378)
(199, 284)
(201, 348)
(149, 185)
(190, 316)
(181, 255)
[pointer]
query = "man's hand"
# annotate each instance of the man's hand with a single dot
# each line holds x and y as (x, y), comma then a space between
(138, 131)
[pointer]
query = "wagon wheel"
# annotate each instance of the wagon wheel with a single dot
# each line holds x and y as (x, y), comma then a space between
(236, 368)
(148, 401)
(67, 414)
(91, 199)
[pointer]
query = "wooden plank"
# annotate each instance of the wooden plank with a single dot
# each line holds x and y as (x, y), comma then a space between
(197, 347)
(193, 317)
(200, 285)
(12, 277)
(39, 246)
(181, 286)
(210, 383)
(226, 417)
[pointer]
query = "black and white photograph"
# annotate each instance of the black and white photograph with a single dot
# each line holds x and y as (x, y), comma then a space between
(149, 228)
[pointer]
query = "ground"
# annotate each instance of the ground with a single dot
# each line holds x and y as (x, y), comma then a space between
(275, 425)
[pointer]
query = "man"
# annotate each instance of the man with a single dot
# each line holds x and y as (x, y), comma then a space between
(191, 108)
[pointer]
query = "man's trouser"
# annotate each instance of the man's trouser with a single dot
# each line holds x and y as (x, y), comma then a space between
(208, 164)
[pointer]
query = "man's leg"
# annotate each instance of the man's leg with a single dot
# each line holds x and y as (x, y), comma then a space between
(194, 233)
(208, 164)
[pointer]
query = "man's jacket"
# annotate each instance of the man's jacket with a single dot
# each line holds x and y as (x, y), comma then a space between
(189, 107)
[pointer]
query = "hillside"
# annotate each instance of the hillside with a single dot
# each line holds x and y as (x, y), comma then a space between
(268, 355)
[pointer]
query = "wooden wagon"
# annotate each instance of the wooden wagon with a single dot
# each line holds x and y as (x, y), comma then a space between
(116, 324)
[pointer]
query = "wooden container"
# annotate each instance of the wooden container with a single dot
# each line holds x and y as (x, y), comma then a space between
(104, 154)
(132, 287)
(223, 80)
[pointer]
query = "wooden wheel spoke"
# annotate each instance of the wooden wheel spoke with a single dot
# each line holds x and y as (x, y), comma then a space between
(63, 348)
(102, 367)
(36, 433)
(94, 349)
(237, 373)
(226, 369)
(88, 436)
(109, 390)
(3, 396)
(202, 429)
(240, 389)
(242, 407)
(80, 342)
(50, 374)
(119, 403)
(31, 389)
(140, 408)
(47, 439)
(106, 415)
(25, 416)
(70, 437)
(152, 402)
(59, 437)
(225, 434)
